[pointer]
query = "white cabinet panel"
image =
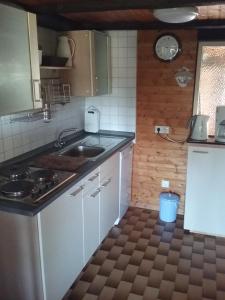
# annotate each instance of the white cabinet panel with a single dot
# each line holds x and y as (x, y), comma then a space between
(61, 236)
(126, 157)
(109, 197)
(91, 223)
(20, 76)
(205, 193)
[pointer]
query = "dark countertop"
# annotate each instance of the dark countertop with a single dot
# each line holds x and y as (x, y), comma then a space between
(82, 171)
(209, 141)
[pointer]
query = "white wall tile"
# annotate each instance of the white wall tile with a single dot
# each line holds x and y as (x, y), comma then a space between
(19, 137)
(118, 110)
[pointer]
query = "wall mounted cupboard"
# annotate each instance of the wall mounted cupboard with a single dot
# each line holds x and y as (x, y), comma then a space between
(19, 62)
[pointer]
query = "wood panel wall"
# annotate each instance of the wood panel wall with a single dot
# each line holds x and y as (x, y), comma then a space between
(160, 101)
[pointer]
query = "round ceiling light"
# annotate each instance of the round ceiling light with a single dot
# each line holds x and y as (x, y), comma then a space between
(176, 15)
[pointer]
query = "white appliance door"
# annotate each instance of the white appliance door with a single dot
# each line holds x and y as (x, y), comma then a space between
(126, 157)
(205, 192)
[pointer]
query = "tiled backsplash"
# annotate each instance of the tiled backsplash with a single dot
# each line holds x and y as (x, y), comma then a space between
(19, 137)
(118, 110)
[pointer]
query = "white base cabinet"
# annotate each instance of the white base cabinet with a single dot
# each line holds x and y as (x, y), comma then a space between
(205, 193)
(58, 241)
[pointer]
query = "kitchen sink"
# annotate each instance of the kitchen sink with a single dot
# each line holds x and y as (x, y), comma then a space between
(83, 151)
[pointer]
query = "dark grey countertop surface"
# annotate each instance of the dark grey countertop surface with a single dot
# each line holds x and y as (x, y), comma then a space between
(209, 141)
(82, 171)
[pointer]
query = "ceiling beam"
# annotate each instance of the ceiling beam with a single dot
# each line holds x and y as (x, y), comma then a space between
(61, 7)
(62, 24)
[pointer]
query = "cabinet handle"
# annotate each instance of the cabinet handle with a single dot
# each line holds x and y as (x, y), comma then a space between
(93, 177)
(107, 182)
(77, 191)
(96, 193)
(37, 90)
(201, 152)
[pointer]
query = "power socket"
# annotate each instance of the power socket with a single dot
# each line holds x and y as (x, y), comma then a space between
(162, 129)
(165, 183)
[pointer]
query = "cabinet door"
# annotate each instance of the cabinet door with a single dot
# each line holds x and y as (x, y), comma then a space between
(91, 223)
(102, 64)
(126, 157)
(16, 92)
(204, 205)
(61, 237)
(109, 197)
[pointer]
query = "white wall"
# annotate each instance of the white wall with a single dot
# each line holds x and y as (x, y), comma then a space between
(118, 110)
(20, 137)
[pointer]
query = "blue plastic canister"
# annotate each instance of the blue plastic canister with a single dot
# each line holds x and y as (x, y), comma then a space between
(168, 206)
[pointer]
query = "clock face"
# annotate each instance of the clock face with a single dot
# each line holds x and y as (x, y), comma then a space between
(167, 47)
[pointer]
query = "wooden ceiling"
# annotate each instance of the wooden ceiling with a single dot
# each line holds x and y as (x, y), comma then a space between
(120, 14)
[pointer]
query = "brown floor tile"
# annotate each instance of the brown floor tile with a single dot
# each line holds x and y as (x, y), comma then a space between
(170, 272)
(142, 244)
(220, 295)
(150, 253)
(134, 297)
(196, 276)
(114, 278)
(155, 278)
(160, 262)
(97, 285)
(194, 292)
(115, 252)
(163, 248)
(145, 267)
(136, 258)
(139, 285)
(184, 266)
(181, 283)
(209, 288)
(107, 267)
(107, 293)
(130, 273)
(146, 258)
(173, 257)
(122, 291)
(129, 248)
(166, 290)
(220, 282)
(150, 293)
(209, 271)
(122, 262)
(179, 296)
(220, 265)
(79, 291)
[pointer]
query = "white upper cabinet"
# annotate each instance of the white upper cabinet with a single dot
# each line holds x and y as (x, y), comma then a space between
(19, 65)
(91, 73)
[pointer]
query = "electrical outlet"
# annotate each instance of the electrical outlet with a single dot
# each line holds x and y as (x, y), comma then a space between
(165, 184)
(162, 129)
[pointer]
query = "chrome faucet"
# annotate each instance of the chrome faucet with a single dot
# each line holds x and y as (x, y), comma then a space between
(59, 141)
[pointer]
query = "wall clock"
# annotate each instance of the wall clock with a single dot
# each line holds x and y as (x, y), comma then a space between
(167, 47)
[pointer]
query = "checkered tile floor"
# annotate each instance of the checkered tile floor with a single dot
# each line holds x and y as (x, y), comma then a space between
(145, 258)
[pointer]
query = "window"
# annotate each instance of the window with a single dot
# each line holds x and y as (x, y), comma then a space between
(210, 81)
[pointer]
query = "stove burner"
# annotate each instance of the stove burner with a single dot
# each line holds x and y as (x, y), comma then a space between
(17, 172)
(44, 175)
(17, 188)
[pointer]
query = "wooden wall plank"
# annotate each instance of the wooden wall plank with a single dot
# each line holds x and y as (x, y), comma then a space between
(161, 102)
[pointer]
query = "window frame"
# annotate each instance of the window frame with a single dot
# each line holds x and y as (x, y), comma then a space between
(198, 68)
